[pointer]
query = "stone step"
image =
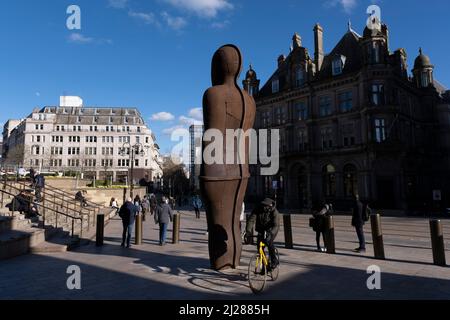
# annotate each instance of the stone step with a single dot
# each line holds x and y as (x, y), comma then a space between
(14, 243)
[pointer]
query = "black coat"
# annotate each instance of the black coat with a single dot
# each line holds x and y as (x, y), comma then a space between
(264, 221)
(128, 213)
(40, 181)
(357, 217)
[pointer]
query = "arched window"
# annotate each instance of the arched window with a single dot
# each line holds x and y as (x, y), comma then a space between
(329, 180)
(350, 180)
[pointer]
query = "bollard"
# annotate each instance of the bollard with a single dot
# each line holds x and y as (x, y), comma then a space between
(329, 235)
(176, 228)
(377, 236)
(100, 230)
(138, 233)
(287, 231)
(437, 243)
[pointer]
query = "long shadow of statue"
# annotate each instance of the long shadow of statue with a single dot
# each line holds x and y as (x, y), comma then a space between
(223, 184)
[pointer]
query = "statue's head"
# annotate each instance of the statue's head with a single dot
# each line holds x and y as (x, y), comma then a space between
(226, 63)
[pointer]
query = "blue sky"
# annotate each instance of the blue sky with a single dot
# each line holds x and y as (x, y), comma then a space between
(155, 54)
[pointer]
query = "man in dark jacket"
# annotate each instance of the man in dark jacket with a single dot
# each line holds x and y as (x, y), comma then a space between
(358, 222)
(128, 213)
(265, 219)
(164, 215)
(39, 185)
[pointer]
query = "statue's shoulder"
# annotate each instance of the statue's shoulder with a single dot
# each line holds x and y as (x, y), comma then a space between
(213, 93)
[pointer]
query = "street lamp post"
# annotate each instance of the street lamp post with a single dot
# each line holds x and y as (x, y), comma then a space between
(137, 149)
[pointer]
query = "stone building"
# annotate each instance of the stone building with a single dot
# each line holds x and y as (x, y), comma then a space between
(94, 141)
(354, 121)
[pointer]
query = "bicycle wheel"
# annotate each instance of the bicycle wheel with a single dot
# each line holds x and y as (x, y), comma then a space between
(275, 272)
(256, 274)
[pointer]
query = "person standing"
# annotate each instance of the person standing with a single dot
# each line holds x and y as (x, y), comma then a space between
(128, 213)
(319, 224)
(197, 204)
(358, 222)
(39, 186)
(164, 216)
(145, 207)
(153, 204)
(32, 177)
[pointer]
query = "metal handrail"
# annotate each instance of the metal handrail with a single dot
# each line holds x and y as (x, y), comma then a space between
(3, 191)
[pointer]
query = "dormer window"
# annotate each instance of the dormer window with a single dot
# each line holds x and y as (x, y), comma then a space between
(275, 85)
(338, 65)
(299, 77)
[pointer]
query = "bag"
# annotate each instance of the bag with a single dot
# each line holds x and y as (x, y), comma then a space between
(366, 213)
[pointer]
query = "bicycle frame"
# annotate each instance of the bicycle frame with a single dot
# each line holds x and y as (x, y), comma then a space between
(262, 255)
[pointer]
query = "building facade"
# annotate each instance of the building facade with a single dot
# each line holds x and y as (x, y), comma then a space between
(196, 138)
(96, 142)
(354, 121)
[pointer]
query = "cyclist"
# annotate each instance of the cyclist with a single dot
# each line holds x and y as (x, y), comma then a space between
(266, 218)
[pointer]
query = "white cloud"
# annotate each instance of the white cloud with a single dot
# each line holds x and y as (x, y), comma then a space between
(118, 4)
(347, 5)
(147, 18)
(176, 23)
(196, 113)
(203, 8)
(189, 121)
(168, 131)
(79, 38)
(162, 116)
(220, 25)
(38, 94)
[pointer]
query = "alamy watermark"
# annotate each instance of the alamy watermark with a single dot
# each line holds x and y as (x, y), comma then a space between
(234, 147)
(374, 280)
(74, 280)
(74, 20)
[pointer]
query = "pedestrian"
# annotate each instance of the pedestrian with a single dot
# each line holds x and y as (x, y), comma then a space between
(39, 186)
(197, 204)
(164, 216)
(318, 223)
(359, 218)
(114, 204)
(145, 207)
(80, 196)
(32, 177)
(153, 204)
(242, 219)
(128, 213)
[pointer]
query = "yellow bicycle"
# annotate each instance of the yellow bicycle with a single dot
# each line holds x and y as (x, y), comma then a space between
(259, 268)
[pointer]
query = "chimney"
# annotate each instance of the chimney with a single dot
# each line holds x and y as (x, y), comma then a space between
(318, 46)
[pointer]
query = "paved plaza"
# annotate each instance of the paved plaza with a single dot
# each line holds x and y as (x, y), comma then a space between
(182, 271)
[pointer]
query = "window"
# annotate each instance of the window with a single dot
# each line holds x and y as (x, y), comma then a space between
(377, 94)
(146, 140)
(138, 139)
(265, 119)
(350, 181)
(338, 65)
(136, 162)
(327, 138)
(302, 140)
(425, 80)
(42, 127)
(299, 77)
(302, 111)
(275, 85)
(380, 130)
(329, 180)
(37, 127)
(325, 106)
(374, 52)
(345, 101)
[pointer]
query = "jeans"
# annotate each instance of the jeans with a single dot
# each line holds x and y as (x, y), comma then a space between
(162, 232)
(126, 235)
(361, 238)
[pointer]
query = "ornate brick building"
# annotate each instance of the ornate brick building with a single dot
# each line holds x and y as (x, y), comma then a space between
(353, 121)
